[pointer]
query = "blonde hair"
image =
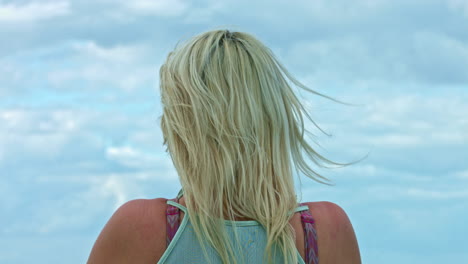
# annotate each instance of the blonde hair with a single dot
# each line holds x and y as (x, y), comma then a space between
(234, 129)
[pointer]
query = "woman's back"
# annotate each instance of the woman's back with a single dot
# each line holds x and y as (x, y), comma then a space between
(136, 233)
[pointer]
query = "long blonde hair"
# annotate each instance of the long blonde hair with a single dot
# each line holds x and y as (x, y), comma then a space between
(235, 131)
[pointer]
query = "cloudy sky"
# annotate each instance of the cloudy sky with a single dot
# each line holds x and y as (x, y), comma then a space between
(80, 108)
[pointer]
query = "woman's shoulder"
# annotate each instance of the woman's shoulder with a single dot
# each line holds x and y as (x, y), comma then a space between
(142, 216)
(337, 241)
(143, 209)
(132, 233)
(326, 209)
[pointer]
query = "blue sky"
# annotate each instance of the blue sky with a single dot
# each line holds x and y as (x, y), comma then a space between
(79, 115)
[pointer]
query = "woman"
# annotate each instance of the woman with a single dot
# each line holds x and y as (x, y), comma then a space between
(235, 131)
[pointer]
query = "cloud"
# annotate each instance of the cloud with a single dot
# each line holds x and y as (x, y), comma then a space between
(398, 119)
(79, 166)
(424, 134)
(397, 187)
(115, 54)
(33, 11)
(449, 66)
(397, 140)
(351, 59)
(101, 75)
(339, 42)
(125, 67)
(436, 194)
(58, 140)
(79, 133)
(25, 134)
(459, 6)
(462, 174)
(99, 196)
(135, 158)
(91, 197)
(21, 120)
(159, 7)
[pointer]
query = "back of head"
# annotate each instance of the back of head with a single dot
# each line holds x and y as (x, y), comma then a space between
(235, 131)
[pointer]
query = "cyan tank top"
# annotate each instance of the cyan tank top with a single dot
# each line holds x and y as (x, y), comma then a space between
(183, 246)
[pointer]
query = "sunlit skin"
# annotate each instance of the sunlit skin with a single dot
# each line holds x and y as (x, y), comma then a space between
(136, 234)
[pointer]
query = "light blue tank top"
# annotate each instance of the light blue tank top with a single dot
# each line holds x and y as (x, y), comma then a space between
(185, 248)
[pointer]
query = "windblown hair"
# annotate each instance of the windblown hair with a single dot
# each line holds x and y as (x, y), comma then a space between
(235, 131)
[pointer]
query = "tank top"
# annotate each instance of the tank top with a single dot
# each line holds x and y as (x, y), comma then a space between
(183, 246)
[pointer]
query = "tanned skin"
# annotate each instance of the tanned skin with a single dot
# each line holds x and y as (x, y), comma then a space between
(136, 234)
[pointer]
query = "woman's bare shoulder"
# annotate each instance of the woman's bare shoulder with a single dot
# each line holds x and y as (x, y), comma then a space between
(337, 241)
(133, 234)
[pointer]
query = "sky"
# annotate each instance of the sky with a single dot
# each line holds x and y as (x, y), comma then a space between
(80, 109)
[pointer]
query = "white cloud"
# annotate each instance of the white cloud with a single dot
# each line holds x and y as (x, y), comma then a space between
(447, 66)
(459, 5)
(117, 54)
(99, 196)
(79, 208)
(336, 57)
(78, 142)
(400, 192)
(326, 12)
(123, 66)
(359, 171)
(423, 221)
(397, 130)
(413, 221)
(157, 7)
(132, 157)
(412, 120)
(26, 133)
(205, 14)
(9, 70)
(44, 135)
(33, 11)
(116, 188)
(428, 57)
(436, 194)
(397, 140)
(462, 174)
(22, 120)
(106, 74)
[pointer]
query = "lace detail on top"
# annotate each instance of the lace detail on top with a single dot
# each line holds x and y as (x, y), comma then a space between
(310, 237)
(172, 216)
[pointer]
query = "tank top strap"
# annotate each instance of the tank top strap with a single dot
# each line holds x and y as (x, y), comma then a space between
(310, 235)
(308, 223)
(172, 219)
